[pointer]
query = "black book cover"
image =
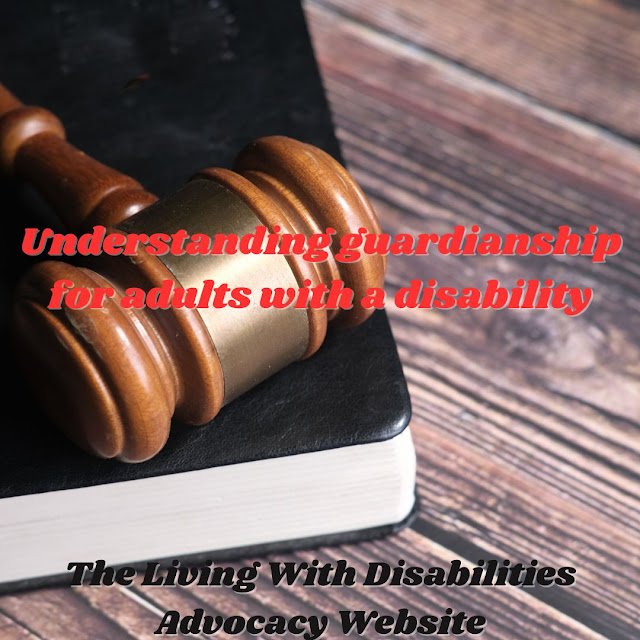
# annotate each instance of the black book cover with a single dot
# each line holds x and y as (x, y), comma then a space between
(159, 91)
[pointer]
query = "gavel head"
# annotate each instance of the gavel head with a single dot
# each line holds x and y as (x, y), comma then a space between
(112, 377)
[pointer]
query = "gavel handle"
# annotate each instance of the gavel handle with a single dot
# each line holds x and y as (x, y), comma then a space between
(83, 192)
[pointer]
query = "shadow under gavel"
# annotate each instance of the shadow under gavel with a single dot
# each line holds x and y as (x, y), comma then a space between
(113, 377)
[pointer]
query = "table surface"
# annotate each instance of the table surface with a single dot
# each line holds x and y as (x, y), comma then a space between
(519, 116)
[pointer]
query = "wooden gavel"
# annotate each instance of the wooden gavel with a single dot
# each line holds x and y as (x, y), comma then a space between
(112, 378)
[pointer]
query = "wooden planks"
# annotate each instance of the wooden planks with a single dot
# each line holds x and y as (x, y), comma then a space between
(11, 630)
(136, 613)
(578, 56)
(526, 424)
(58, 614)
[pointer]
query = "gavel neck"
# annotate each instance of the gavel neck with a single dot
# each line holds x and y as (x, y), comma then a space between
(113, 376)
(83, 191)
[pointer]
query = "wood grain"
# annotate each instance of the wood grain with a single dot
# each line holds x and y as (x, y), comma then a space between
(526, 424)
(112, 382)
(57, 614)
(509, 609)
(11, 630)
(578, 56)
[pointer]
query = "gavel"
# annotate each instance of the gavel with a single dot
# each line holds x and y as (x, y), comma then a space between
(112, 378)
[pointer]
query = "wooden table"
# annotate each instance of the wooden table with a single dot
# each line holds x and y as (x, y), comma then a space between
(518, 116)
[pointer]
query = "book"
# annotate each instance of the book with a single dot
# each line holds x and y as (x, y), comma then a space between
(318, 453)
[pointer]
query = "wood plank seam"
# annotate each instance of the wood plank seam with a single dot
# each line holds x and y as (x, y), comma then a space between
(417, 32)
(351, 120)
